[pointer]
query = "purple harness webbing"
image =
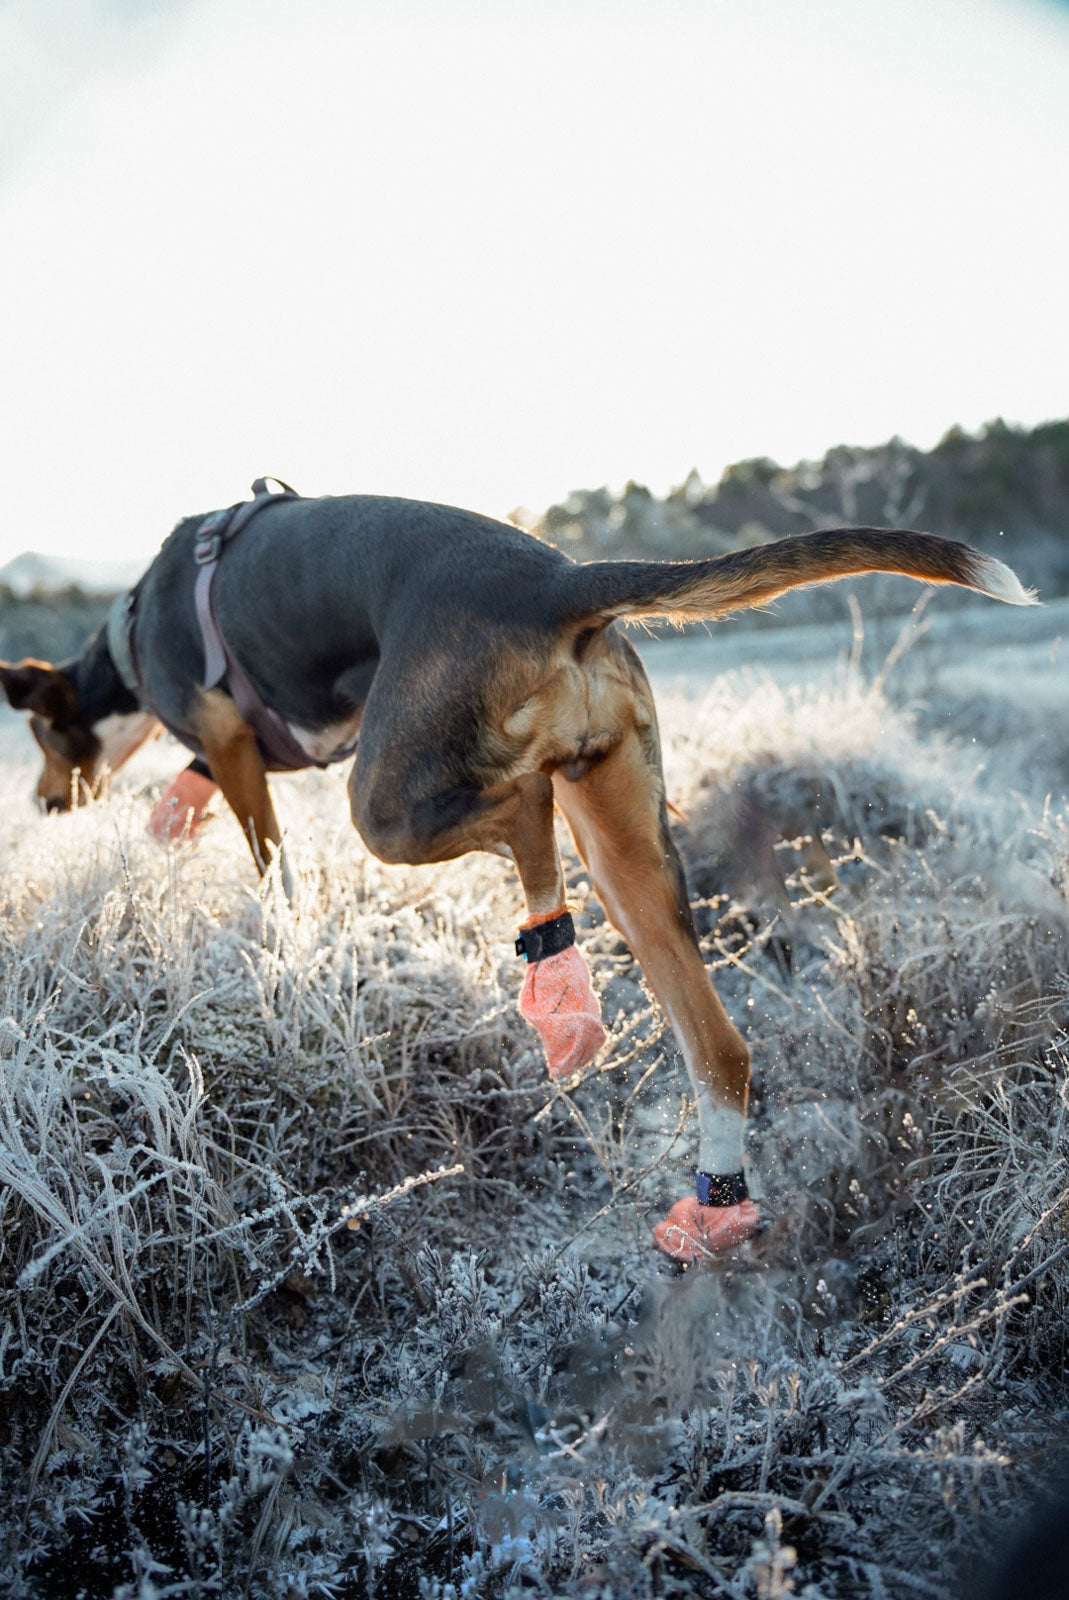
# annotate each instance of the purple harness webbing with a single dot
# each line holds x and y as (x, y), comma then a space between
(280, 749)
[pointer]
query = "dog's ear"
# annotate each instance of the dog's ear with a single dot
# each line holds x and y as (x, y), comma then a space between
(44, 690)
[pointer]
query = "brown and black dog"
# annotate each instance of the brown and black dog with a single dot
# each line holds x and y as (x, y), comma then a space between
(482, 680)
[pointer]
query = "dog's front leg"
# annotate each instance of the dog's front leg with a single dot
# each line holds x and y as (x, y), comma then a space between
(232, 753)
(182, 810)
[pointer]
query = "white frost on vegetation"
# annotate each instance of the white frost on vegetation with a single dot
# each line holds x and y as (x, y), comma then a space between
(206, 1374)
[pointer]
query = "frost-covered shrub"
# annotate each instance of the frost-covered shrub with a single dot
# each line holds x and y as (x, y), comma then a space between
(253, 1342)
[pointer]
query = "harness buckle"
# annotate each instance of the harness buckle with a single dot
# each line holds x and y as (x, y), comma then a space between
(209, 542)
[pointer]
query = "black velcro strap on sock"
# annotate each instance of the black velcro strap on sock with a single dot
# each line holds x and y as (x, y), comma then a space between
(715, 1189)
(546, 938)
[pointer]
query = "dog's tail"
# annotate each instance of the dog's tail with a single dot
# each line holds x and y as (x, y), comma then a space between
(687, 591)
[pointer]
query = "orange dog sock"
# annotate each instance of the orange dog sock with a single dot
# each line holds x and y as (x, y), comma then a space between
(557, 997)
(693, 1232)
(180, 812)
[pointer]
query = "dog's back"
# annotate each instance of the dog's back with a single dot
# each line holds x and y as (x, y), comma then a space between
(496, 644)
(315, 591)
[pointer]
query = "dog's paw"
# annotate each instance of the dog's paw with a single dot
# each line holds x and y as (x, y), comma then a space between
(182, 810)
(558, 1000)
(692, 1232)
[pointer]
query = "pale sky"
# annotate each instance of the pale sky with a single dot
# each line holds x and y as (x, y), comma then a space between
(490, 252)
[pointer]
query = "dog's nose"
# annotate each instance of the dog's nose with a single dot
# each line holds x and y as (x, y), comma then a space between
(53, 802)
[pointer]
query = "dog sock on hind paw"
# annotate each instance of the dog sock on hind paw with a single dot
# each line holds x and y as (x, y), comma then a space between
(694, 1232)
(180, 812)
(557, 998)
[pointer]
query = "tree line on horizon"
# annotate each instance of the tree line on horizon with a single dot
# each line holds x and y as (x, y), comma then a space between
(1004, 488)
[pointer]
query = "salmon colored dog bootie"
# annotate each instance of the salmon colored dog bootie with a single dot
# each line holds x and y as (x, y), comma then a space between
(693, 1232)
(557, 998)
(180, 812)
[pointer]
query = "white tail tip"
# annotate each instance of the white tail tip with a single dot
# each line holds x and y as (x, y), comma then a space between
(994, 577)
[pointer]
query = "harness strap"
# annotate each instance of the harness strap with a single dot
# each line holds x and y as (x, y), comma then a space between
(217, 530)
(210, 632)
(280, 749)
(119, 643)
(277, 742)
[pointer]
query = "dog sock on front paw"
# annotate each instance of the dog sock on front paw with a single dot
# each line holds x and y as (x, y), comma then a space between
(180, 812)
(557, 998)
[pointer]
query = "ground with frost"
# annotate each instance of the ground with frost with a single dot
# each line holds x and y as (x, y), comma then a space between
(311, 1284)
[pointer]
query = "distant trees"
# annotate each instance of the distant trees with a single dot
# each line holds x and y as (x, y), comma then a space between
(52, 624)
(1004, 486)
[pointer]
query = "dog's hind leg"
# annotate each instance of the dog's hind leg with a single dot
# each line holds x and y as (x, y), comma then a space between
(557, 997)
(232, 753)
(617, 815)
(513, 818)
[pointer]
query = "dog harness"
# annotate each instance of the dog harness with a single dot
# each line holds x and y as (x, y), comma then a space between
(280, 750)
